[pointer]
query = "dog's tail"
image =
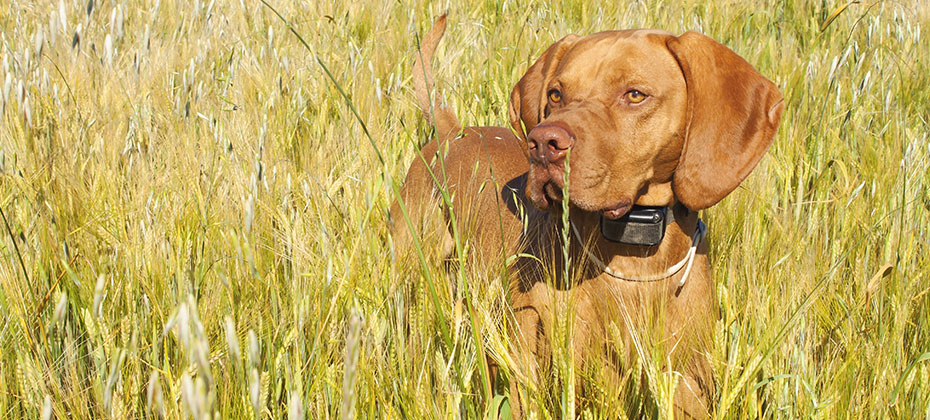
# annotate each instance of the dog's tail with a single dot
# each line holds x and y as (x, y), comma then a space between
(418, 193)
(436, 112)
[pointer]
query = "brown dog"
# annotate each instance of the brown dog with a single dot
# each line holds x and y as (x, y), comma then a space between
(644, 118)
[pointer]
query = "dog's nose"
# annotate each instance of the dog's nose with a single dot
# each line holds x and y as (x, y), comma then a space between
(548, 143)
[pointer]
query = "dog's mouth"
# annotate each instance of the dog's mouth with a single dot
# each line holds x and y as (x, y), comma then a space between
(552, 193)
(618, 210)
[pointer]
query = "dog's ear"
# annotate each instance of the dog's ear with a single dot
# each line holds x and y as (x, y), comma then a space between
(527, 100)
(733, 113)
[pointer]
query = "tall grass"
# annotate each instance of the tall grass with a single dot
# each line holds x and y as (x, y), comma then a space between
(195, 224)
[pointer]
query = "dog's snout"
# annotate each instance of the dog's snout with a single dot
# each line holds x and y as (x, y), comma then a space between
(548, 143)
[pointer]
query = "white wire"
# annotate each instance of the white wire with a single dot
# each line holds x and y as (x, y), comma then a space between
(687, 261)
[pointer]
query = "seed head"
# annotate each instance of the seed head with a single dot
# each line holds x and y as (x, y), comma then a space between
(255, 349)
(255, 388)
(38, 41)
(98, 295)
(52, 29)
(231, 339)
(63, 18)
(76, 40)
(47, 408)
(108, 49)
(61, 307)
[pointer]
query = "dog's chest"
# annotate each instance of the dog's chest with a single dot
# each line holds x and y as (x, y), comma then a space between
(604, 312)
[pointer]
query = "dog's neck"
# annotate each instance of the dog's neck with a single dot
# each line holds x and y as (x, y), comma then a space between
(638, 260)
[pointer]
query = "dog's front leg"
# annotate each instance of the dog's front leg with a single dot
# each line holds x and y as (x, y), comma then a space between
(529, 343)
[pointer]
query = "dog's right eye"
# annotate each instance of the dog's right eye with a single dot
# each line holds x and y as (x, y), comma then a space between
(634, 96)
(555, 96)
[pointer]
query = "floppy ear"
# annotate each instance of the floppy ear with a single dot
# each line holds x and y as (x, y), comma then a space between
(527, 100)
(733, 113)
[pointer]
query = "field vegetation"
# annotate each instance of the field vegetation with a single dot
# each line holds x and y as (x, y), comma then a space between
(194, 212)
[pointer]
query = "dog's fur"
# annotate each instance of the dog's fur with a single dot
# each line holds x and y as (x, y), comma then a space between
(707, 118)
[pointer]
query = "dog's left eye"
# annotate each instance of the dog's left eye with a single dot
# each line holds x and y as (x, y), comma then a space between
(634, 96)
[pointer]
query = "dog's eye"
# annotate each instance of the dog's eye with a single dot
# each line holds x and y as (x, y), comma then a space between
(634, 96)
(555, 96)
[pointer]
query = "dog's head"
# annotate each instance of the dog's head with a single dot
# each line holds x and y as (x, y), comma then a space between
(647, 117)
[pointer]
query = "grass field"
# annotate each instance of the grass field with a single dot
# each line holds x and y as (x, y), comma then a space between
(195, 221)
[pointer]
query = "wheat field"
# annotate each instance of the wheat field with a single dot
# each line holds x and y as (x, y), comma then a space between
(194, 212)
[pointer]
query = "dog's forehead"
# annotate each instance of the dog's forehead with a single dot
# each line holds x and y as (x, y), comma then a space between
(636, 52)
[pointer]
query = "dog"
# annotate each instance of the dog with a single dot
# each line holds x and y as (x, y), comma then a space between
(638, 130)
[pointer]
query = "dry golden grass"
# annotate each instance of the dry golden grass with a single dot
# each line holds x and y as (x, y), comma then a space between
(194, 222)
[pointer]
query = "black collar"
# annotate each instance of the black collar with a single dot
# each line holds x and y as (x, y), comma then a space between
(643, 225)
